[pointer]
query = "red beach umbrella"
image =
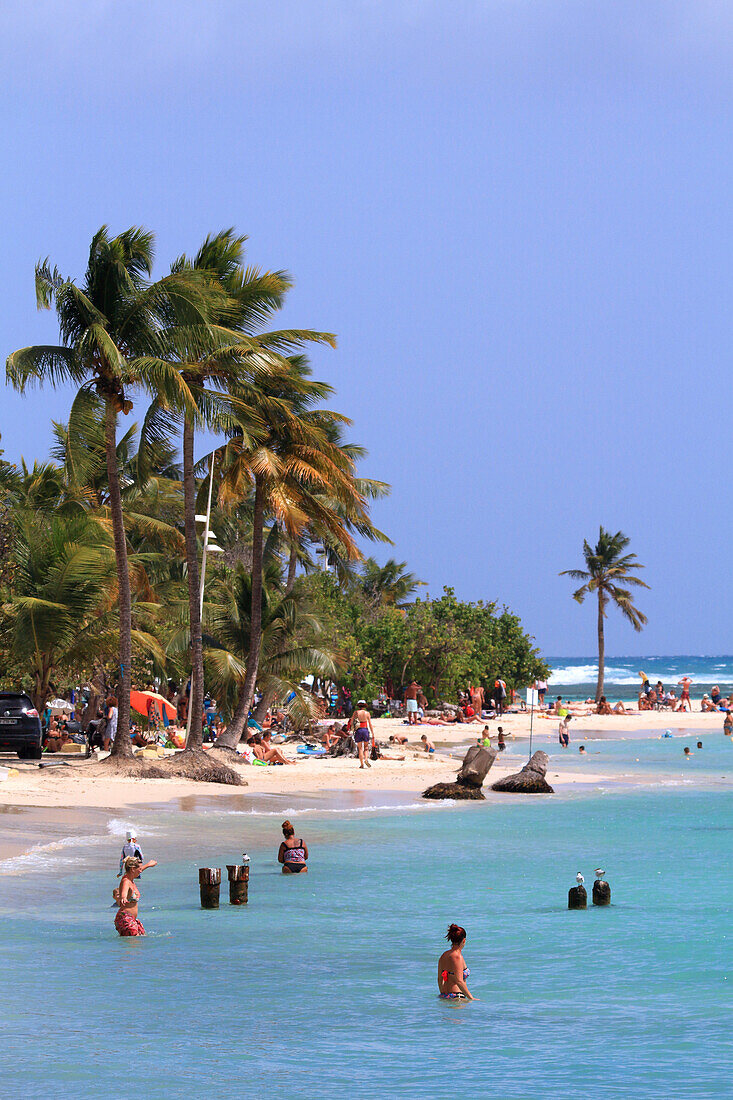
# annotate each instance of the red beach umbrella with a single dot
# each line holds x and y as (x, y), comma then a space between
(139, 701)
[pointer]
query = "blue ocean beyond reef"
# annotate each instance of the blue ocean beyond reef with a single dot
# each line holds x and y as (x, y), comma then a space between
(326, 984)
(575, 677)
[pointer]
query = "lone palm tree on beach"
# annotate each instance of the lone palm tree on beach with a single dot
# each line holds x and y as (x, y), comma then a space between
(607, 568)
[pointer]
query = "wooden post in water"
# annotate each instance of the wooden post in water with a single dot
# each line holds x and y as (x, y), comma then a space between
(209, 883)
(601, 892)
(238, 883)
(577, 897)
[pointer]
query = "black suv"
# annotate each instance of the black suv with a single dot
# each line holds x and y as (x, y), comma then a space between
(20, 726)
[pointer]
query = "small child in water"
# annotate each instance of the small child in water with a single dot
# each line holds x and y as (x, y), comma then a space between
(130, 848)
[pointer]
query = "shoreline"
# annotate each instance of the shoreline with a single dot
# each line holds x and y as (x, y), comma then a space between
(39, 807)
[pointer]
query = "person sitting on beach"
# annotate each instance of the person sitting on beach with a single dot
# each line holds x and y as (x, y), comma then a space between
(452, 969)
(717, 698)
(363, 732)
(127, 896)
(604, 707)
(707, 704)
(670, 699)
(619, 708)
(557, 707)
(268, 752)
(333, 735)
(56, 737)
(728, 723)
(292, 853)
(427, 745)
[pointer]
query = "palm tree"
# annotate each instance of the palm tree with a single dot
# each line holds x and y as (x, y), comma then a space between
(291, 646)
(291, 466)
(58, 611)
(107, 324)
(228, 355)
(607, 567)
(388, 584)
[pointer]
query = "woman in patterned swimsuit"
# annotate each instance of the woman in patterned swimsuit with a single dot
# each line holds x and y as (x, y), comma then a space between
(127, 896)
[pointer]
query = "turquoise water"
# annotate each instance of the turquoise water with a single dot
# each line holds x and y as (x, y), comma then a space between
(325, 984)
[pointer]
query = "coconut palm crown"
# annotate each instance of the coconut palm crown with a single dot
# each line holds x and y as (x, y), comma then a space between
(607, 570)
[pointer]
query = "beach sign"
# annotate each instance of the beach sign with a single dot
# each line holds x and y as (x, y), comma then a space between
(533, 697)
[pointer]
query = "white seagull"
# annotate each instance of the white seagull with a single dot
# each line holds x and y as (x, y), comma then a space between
(599, 872)
(579, 879)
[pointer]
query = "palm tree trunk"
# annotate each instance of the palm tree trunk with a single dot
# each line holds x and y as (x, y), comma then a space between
(122, 745)
(196, 701)
(601, 650)
(233, 733)
(268, 698)
(291, 569)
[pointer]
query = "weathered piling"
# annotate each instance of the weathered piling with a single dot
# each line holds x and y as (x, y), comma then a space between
(238, 883)
(601, 892)
(209, 884)
(577, 897)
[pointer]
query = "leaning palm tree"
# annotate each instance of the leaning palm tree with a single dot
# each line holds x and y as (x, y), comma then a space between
(389, 584)
(107, 324)
(607, 569)
(227, 355)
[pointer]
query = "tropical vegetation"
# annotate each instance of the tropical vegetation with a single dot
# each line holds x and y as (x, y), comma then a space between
(99, 571)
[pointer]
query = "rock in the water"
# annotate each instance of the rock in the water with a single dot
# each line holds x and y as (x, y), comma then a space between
(531, 779)
(601, 892)
(577, 897)
(453, 790)
(476, 764)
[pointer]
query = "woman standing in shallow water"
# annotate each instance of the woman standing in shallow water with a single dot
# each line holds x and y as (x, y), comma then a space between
(127, 896)
(452, 969)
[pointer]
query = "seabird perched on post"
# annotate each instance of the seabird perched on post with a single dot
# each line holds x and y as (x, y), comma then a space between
(579, 879)
(599, 872)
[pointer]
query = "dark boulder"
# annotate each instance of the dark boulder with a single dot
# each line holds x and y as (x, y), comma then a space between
(467, 787)
(531, 779)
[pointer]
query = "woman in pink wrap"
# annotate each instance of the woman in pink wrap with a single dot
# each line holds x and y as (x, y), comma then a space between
(127, 896)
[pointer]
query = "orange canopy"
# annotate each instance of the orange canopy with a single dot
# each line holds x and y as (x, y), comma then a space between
(139, 701)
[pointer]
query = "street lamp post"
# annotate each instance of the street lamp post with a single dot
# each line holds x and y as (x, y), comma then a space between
(210, 546)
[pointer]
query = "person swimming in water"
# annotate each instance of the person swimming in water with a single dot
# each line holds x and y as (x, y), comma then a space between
(452, 969)
(127, 896)
(293, 853)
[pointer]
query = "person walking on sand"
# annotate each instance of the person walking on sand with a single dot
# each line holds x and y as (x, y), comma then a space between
(363, 732)
(411, 702)
(684, 694)
(452, 969)
(127, 896)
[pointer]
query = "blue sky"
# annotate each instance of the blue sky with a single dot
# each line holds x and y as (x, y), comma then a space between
(515, 214)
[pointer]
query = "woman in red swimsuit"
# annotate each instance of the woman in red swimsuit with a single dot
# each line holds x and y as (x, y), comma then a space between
(127, 896)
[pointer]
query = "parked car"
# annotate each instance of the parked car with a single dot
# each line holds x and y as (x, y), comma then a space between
(20, 725)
